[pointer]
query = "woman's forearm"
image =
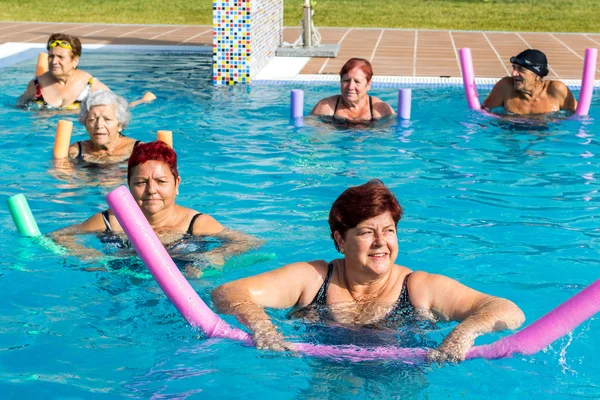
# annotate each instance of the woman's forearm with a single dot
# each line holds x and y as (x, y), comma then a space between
(235, 302)
(492, 314)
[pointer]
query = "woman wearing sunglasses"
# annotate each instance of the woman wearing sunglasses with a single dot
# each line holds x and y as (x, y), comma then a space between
(64, 86)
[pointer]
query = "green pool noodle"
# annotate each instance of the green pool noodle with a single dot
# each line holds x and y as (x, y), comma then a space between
(26, 225)
(21, 214)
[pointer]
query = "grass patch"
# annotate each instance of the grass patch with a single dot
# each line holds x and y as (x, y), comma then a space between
(501, 15)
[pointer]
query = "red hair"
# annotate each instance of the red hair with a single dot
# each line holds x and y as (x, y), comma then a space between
(157, 151)
(364, 65)
(360, 203)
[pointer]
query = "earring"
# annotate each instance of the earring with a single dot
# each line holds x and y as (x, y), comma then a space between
(177, 192)
(342, 251)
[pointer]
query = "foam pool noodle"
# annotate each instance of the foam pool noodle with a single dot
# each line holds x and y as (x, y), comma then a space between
(26, 225)
(527, 341)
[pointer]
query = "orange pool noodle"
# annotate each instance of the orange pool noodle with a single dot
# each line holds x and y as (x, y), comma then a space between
(42, 64)
(165, 136)
(62, 139)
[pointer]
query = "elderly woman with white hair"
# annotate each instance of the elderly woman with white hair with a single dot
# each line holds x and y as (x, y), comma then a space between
(105, 115)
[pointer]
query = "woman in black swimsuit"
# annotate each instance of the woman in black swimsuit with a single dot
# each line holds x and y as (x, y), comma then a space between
(366, 287)
(354, 104)
(154, 183)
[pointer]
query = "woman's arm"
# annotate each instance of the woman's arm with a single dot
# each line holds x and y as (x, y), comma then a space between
(97, 85)
(146, 98)
(281, 288)
(477, 313)
(67, 237)
(28, 95)
(381, 108)
(323, 107)
(233, 241)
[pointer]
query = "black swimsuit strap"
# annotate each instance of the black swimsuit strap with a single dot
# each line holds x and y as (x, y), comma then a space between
(404, 298)
(371, 107)
(138, 142)
(105, 216)
(321, 296)
(190, 230)
(80, 154)
(337, 103)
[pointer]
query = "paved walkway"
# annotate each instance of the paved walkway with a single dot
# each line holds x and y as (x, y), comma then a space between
(418, 53)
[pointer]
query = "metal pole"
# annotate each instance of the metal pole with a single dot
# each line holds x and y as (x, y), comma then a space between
(307, 25)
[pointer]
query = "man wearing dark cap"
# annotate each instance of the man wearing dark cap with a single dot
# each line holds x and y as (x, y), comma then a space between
(526, 92)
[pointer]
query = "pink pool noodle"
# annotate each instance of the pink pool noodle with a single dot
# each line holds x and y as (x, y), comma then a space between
(527, 341)
(468, 75)
(587, 82)
(164, 271)
(547, 329)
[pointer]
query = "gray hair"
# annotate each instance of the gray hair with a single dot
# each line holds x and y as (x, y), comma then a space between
(106, 98)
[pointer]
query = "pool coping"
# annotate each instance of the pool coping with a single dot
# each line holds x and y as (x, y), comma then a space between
(15, 52)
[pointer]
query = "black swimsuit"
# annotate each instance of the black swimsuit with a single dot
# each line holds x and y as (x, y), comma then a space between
(80, 147)
(337, 103)
(105, 217)
(398, 315)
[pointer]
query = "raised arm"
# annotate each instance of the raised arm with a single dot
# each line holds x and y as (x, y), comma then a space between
(477, 313)
(498, 94)
(284, 287)
(148, 97)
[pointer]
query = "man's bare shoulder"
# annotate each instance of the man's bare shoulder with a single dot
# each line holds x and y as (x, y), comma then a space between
(557, 88)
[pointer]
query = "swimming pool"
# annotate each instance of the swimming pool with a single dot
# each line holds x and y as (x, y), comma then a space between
(507, 208)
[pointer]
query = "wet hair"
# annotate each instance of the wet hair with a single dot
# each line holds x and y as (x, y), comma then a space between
(73, 41)
(157, 151)
(360, 203)
(364, 65)
(106, 98)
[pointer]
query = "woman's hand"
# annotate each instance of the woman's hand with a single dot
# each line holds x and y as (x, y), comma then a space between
(266, 337)
(453, 348)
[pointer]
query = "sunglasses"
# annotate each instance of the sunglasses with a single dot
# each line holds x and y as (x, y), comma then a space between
(60, 43)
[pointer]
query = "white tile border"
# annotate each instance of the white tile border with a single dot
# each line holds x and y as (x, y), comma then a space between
(14, 52)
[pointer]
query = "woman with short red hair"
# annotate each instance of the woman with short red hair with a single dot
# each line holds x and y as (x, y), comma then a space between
(354, 104)
(154, 182)
(365, 287)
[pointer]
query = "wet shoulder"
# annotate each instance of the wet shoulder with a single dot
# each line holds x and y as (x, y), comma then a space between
(316, 273)
(325, 106)
(557, 89)
(381, 109)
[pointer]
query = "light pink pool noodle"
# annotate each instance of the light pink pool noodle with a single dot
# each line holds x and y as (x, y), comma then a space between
(587, 82)
(530, 340)
(468, 75)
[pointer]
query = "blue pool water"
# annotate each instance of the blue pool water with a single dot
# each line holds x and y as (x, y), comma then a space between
(507, 208)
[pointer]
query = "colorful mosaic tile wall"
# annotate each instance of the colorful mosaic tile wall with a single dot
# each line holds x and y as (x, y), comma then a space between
(246, 34)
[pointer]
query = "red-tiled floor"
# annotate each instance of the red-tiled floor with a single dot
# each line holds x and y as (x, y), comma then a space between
(392, 52)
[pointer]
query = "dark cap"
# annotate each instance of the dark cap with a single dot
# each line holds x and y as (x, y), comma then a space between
(533, 60)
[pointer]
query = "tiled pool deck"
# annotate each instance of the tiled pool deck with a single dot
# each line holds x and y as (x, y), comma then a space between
(393, 52)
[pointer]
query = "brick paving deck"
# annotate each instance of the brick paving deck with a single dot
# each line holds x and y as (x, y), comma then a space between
(393, 52)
